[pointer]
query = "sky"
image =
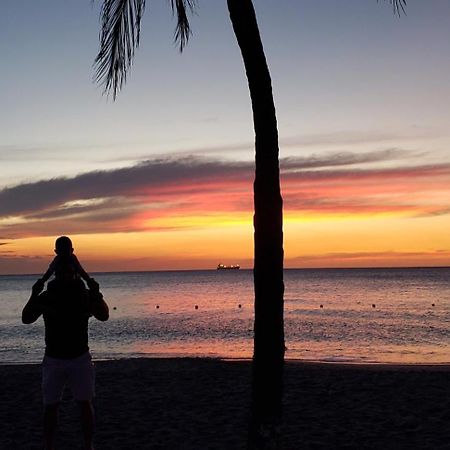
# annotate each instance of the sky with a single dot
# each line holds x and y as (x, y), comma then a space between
(161, 178)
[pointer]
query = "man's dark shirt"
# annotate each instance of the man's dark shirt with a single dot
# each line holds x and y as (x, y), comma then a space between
(67, 308)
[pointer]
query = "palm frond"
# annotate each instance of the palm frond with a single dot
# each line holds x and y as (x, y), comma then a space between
(399, 6)
(183, 28)
(119, 37)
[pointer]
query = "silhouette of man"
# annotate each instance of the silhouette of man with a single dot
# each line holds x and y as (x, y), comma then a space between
(66, 306)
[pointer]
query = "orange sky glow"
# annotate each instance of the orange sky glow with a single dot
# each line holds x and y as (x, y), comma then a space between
(334, 217)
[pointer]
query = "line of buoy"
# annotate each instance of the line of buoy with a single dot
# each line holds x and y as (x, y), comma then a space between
(240, 306)
(321, 306)
(196, 306)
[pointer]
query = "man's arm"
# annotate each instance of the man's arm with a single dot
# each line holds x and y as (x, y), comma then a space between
(33, 308)
(99, 307)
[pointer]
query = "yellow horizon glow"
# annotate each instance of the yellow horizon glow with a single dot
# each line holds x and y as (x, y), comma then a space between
(309, 241)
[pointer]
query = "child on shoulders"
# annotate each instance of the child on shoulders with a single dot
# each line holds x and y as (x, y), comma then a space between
(64, 256)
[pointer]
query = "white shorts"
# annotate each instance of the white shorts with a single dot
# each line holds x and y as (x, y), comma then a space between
(77, 373)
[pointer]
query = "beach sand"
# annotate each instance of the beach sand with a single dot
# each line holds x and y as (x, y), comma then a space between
(204, 404)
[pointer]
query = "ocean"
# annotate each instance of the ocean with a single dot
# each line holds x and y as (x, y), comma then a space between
(334, 315)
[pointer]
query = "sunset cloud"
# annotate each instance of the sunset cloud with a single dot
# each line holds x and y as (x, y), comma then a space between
(135, 198)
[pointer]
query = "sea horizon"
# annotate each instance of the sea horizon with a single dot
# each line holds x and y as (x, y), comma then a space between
(38, 274)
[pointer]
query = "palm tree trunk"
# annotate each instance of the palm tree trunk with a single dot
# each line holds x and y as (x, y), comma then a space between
(268, 357)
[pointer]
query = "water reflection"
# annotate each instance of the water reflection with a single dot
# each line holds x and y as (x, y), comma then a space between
(404, 326)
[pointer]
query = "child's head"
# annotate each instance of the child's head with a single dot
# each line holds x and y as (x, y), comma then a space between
(63, 246)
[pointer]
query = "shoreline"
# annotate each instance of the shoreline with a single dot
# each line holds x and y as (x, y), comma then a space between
(444, 366)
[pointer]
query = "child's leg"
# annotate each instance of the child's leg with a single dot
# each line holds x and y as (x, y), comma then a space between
(79, 268)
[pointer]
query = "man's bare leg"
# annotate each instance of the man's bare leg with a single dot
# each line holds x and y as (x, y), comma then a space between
(87, 423)
(50, 424)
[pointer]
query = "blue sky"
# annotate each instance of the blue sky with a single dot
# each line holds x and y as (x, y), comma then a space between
(337, 67)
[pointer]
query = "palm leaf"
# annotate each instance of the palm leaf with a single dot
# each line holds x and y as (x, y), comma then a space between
(399, 6)
(119, 38)
(182, 29)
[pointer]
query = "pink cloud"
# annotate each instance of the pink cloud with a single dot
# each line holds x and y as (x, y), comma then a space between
(129, 199)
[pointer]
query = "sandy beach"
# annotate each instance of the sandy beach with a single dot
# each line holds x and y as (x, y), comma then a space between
(204, 404)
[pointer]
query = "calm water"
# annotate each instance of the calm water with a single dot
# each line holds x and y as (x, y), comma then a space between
(402, 327)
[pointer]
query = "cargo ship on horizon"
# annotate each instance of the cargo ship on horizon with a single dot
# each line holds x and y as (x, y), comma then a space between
(228, 267)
